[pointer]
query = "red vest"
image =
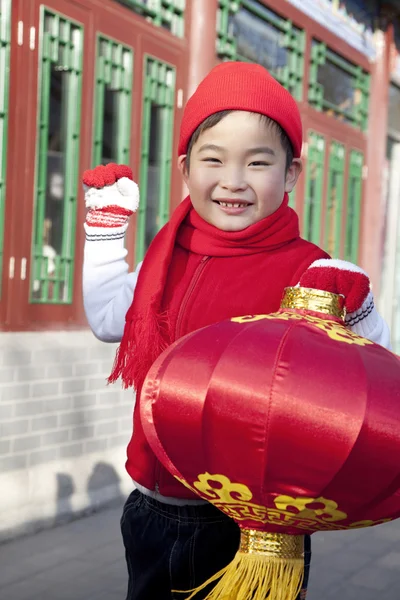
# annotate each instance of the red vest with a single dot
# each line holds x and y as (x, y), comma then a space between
(203, 290)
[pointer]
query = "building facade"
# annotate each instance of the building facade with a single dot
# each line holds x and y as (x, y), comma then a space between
(84, 82)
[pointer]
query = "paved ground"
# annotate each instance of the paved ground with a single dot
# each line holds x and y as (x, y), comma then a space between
(83, 560)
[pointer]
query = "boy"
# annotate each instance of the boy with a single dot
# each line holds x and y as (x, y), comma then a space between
(230, 248)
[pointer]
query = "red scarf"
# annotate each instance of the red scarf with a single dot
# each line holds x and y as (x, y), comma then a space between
(146, 332)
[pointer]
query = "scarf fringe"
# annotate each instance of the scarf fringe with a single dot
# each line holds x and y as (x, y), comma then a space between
(255, 577)
(142, 342)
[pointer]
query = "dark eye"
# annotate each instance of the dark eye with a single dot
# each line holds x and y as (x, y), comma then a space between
(211, 159)
(259, 163)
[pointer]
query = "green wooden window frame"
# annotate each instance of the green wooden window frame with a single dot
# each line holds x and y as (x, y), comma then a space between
(159, 94)
(358, 113)
(61, 49)
(334, 204)
(353, 212)
(5, 42)
(114, 70)
(169, 14)
(314, 187)
(291, 38)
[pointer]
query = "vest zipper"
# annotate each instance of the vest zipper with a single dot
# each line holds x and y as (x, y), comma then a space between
(189, 291)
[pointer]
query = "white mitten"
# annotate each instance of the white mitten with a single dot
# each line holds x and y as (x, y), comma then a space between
(111, 195)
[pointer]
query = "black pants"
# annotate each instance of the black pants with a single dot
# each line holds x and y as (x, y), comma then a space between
(177, 547)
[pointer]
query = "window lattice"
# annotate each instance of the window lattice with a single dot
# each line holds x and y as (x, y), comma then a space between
(248, 31)
(60, 78)
(169, 14)
(156, 152)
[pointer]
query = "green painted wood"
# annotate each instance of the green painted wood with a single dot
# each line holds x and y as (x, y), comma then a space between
(333, 229)
(61, 51)
(312, 213)
(353, 213)
(114, 73)
(158, 104)
(291, 38)
(169, 14)
(357, 115)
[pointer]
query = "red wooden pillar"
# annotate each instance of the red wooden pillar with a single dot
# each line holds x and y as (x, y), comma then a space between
(202, 36)
(373, 215)
(202, 44)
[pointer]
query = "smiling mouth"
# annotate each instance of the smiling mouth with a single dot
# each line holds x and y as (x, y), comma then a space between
(226, 204)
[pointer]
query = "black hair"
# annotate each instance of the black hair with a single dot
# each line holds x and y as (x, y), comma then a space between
(214, 119)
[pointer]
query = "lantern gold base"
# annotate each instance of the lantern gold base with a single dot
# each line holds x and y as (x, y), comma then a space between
(267, 565)
(315, 300)
(274, 545)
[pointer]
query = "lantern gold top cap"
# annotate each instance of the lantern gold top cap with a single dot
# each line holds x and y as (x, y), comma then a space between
(319, 301)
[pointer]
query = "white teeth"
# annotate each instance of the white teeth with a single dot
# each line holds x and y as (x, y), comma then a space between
(232, 205)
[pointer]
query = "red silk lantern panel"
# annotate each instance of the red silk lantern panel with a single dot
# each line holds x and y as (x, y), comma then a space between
(289, 423)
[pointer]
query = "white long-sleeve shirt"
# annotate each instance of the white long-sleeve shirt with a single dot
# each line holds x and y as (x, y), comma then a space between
(108, 288)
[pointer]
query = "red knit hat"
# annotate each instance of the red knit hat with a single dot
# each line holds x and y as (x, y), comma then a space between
(241, 86)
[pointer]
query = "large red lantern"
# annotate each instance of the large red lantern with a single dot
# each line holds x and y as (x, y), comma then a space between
(289, 423)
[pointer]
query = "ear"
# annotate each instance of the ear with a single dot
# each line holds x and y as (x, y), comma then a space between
(292, 174)
(182, 166)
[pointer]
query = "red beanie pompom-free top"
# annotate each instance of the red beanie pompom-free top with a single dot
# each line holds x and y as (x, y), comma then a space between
(241, 86)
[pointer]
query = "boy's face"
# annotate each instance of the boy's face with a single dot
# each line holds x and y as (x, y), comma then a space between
(238, 172)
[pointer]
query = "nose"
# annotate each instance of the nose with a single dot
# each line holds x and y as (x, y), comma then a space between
(233, 181)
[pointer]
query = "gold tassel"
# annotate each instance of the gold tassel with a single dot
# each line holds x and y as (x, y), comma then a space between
(267, 565)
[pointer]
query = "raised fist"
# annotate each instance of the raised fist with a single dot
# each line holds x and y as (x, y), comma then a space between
(111, 195)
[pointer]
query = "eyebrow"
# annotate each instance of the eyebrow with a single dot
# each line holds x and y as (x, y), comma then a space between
(261, 150)
(257, 150)
(210, 147)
